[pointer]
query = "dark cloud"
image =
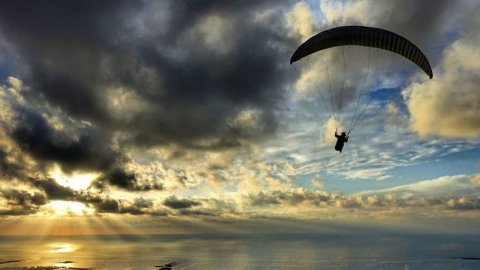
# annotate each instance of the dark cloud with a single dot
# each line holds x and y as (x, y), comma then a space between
(203, 207)
(143, 203)
(21, 202)
(120, 178)
(367, 201)
(75, 52)
(7, 168)
(464, 203)
(17, 212)
(189, 212)
(107, 206)
(139, 206)
(142, 73)
(176, 203)
(424, 23)
(23, 198)
(55, 191)
(262, 199)
(83, 147)
(84, 150)
(294, 197)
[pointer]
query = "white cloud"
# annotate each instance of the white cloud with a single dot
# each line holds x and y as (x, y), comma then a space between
(329, 129)
(301, 20)
(15, 83)
(457, 186)
(366, 12)
(449, 105)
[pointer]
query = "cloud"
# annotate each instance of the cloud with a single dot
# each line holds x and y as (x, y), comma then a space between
(374, 152)
(449, 106)
(35, 138)
(458, 185)
(107, 206)
(181, 82)
(291, 197)
(53, 190)
(301, 20)
(175, 203)
(20, 202)
(84, 150)
(329, 129)
(399, 16)
(395, 117)
(445, 193)
(15, 83)
(36, 135)
(8, 168)
(120, 178)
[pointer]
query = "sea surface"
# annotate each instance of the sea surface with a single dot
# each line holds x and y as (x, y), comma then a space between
(294, 251)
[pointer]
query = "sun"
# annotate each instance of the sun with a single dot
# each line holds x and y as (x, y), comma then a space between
(76, 180)
(68, 208)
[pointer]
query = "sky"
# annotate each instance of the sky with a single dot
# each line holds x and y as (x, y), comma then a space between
(166, 117)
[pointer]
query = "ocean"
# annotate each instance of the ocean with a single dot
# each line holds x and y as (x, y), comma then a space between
(291, 251)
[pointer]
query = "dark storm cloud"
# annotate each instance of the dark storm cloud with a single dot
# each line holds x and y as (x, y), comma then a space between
(176, 203)
(87, 150)
(75, 51)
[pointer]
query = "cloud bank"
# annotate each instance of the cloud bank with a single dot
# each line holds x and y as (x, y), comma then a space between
(189, 110)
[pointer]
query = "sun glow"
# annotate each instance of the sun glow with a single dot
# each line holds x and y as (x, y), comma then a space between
(68, 208)
(62, 248)
(76, 180)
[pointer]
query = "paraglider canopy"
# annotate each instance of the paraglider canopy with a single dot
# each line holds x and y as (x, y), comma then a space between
(363, 36)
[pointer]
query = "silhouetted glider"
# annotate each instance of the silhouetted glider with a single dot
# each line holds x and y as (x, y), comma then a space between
(367, 37)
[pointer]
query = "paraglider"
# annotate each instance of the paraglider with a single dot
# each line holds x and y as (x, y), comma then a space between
(341, 140)
(360, 36)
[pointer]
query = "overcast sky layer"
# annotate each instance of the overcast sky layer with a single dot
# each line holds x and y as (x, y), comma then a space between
(186, 116)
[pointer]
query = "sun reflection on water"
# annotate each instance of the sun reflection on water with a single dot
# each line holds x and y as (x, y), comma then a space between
(62, 248)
